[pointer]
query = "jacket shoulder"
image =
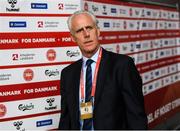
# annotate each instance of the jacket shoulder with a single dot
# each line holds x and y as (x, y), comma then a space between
(118, 57)
(73, 66)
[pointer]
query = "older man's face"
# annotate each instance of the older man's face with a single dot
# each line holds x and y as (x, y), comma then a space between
(85, 33)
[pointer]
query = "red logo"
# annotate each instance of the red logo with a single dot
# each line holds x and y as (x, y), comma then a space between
(28, 74)
(40, 24)
(3, 110)
(15, 56)
(86, 6)
(61, 6)
(51, 55)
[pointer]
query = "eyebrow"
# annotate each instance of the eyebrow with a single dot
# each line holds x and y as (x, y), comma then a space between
(81, 29)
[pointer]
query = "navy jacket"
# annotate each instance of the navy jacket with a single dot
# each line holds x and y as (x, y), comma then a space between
(119, 102)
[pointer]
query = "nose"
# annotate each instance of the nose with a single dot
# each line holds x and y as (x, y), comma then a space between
(86, 32)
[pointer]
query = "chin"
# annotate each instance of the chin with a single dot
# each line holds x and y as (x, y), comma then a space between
(92, 50)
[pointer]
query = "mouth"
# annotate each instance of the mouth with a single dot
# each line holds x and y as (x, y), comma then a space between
(87, 42)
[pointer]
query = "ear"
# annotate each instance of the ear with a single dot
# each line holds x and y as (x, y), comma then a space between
(73, 38)
(98, 31)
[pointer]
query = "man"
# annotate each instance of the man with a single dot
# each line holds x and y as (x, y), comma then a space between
(115, 99)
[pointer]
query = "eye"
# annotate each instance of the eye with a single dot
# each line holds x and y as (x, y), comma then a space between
(89, 28)
(79, 31)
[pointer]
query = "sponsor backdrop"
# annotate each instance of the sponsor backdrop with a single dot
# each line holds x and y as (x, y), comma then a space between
(35, 46)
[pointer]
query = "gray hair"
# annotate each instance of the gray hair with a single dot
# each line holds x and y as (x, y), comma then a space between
(69, 21)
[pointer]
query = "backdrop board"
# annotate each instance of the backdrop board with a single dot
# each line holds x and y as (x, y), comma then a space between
(34, 48)
(150, 35)
(35, 45)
